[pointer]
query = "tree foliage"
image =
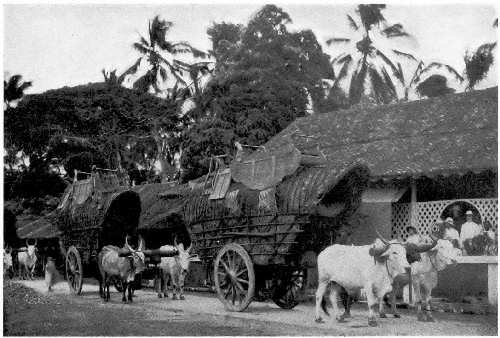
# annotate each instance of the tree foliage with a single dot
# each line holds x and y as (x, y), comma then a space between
(84, 125)
(478, 63)
(13, 89)
(434, 85)
(158, 53)
(264, 78)
(363, 67)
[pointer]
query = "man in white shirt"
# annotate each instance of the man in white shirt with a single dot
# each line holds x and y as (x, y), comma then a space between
(470, 229)
(413, 236)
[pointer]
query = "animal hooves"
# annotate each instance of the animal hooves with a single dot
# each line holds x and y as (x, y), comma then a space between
(430, 319)
(182, 297)
(340, 319)
(421, 318)
(372, 323)
(397, 315)
(383, 315)
(319, 320)
(160, 296)
(346, 315)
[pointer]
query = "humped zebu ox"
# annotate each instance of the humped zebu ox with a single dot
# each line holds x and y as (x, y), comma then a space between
(352, 268)
(174, 269)
(424, 274)
(116, 264)
(27, 260)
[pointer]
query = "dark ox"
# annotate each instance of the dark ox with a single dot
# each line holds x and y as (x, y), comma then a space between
(113, 265)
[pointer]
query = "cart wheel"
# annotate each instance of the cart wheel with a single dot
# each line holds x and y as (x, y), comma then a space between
(74, 270)
(288, 289)
(234, 277)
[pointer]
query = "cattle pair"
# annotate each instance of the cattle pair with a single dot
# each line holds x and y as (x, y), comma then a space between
(375, 268)
(122, 265)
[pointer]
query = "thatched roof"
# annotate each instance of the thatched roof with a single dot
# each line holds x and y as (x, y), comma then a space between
(449, 134)
(33, 227)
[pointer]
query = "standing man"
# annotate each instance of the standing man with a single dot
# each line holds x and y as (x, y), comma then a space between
(413, 236)
(469, 230)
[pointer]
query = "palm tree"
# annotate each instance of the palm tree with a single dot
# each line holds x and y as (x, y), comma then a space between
(367, 64)
(421, 70)
(159, 66)
(13, 89)
(478, 63)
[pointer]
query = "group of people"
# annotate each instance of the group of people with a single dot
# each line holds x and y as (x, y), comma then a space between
(470, 236)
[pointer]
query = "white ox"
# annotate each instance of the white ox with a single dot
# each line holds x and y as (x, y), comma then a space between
(352, 268)
(174, 269)
(7, 262)
(27, 260)
(425, 276)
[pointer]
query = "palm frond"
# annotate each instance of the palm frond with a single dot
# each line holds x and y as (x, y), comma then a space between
(442, 65)
(140, 48)
(184, 47)
(343, 71)
(143, 41)
(131, 70)
(337, 40)
(406, 55)
(389, 83)
(401, 72)
(395, 31)
(163, 74)
(387, 61)
(334, 60)
(346, 58)
(416, 74)
(352, 23)
(25, 85)
(495, 23)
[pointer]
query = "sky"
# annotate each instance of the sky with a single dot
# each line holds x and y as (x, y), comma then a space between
(67, 45)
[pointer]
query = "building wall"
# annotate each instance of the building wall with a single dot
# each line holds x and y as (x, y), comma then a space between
(371, 217)
(456, 282)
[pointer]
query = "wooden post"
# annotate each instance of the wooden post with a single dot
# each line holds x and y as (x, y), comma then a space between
(413, 223)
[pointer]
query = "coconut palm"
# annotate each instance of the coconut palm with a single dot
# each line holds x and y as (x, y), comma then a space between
(153, 51)
(478, 63)
(367, 65)
(14, 88)
(419, 75)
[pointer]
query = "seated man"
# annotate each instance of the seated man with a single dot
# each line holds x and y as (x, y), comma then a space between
(469, 230)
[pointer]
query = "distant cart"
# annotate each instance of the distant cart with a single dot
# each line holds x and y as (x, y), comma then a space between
(96, 211)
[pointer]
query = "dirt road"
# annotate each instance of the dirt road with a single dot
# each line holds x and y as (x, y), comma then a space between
(31, 311)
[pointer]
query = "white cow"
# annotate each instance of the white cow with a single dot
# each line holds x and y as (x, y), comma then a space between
(425, 276)
(27, 261)
(352, 268)
(174, 269)
(7, 262)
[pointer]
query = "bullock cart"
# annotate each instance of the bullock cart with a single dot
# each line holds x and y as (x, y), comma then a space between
(98, 210)
(259, 225)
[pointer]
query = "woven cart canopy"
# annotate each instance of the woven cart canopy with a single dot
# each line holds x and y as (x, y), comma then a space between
(41, 228)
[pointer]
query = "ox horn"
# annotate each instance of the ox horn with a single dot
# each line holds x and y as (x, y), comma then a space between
(175, 241)
(36, 242)
(27, 242)
(386, 242)
(142, 244)
(128, 245)
(189, 247)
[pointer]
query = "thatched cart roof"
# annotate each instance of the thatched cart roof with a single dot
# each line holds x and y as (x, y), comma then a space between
(32, 227)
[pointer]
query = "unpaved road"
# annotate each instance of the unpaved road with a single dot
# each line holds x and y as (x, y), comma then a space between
(31, 311)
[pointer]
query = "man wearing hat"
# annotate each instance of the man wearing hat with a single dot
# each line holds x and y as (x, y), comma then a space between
(450, 233)
(470, 229)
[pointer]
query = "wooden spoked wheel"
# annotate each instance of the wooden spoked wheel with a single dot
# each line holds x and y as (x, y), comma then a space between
(234, 277)
(289, 288)
(74, 270)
